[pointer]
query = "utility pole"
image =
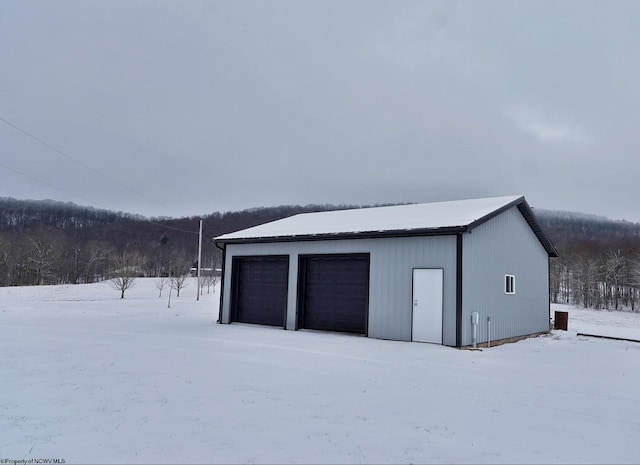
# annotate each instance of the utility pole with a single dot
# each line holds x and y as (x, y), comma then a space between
(199, 260)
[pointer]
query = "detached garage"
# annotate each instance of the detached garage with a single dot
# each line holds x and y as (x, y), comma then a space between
(409, 272)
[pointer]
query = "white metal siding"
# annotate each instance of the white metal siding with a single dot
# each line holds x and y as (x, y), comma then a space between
(390, 288)
(504, 245)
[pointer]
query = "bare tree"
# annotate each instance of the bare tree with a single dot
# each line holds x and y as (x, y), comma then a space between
(178, 274)
(96, 258)
(178, 282)
(634, 279)
(209, 281)
(5, 274)
(614, 270)
(161, 283)
(585, 281)
(125, 270)
(43, 257)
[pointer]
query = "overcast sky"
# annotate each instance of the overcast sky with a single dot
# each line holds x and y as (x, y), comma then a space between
(181, 108)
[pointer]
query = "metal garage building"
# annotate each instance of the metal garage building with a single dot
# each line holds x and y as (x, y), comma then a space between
(409, 272)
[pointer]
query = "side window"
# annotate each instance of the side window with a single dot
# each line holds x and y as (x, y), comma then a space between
(509, 284)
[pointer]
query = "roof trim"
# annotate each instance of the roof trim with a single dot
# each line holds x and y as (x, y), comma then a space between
(352, 235)
(530, 217)
(495, 213)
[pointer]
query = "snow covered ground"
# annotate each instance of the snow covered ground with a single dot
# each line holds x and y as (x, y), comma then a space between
(87, 377)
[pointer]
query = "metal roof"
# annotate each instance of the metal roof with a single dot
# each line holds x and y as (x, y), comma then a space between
(395, 221)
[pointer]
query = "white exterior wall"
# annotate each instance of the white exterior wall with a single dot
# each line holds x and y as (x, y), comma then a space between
(504, 245)
(390, 287)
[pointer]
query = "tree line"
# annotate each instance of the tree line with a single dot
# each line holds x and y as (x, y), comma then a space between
(49, 242)
(599, 262)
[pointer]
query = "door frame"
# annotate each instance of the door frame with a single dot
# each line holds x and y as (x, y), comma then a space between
(413, 291)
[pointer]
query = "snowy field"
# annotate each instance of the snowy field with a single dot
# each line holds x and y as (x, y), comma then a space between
(88, 378)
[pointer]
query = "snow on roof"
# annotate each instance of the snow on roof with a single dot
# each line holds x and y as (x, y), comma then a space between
(457, 213)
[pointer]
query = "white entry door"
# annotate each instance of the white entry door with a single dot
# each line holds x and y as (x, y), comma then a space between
(427, 305)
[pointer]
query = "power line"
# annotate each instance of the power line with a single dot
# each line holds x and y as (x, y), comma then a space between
(51, 185)
(78, 162)
(84, 198)
(60, 152)
(172, 227)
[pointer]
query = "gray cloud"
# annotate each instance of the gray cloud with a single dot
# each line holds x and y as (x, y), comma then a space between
(205, 106)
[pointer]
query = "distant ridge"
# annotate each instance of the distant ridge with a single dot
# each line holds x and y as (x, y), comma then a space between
(572, 215)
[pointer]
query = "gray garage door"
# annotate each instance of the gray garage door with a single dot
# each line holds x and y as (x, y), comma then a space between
(259, 290)
(334, 292)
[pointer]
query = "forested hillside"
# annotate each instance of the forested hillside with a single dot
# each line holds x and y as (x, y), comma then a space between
(48, 242)
(599, 263)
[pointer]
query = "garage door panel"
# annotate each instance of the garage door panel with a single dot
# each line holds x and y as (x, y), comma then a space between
(335, 293)
(260, 287)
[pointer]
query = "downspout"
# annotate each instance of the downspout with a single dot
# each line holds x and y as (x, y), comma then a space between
(222, 273)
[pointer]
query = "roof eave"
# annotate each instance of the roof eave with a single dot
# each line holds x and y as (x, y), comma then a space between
(449, 230)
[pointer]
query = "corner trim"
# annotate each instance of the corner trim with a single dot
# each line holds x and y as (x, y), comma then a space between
(549, 287)
(224, 260)
(459, 290)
